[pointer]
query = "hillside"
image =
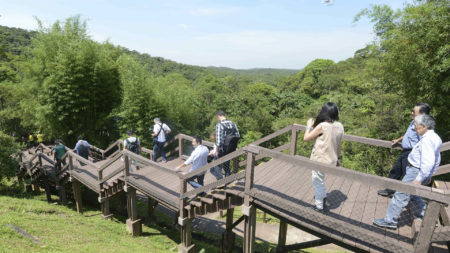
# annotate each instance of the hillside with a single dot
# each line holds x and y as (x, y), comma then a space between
(15, 39)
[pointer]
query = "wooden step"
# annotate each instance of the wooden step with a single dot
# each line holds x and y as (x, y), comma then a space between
(219, 195)
(196, 203)
(207, 199)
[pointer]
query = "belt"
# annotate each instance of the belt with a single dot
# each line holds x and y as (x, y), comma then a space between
(410, 165)
(406, 149)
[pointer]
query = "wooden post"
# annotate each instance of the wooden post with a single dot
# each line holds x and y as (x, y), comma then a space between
(293, 147)
(249, 230)
(282, 236)
(102, 198)
(235, 165)
(228, 241)
(151, 205)
(121, 204)
(134, 225)
(185, 223)
(62, 193)
(180, 147)
(77, 195)
(248, 210)
(127, 167)
(423, 239)
(105, 209)
(45, 179)
(47, 189)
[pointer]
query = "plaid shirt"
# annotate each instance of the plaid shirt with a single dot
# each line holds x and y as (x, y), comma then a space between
(220, 131)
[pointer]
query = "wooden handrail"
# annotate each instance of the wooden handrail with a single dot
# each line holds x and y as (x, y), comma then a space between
(48, 159)
(113, 145)
(445, 146)
(111, 175)
(212, 164)
(148, 162)
(273, 135)
(189, 138)
(382, 183)
(81, 159)
(112, 160)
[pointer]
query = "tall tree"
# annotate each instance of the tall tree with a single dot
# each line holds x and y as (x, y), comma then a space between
(415, 43)
(77, 81)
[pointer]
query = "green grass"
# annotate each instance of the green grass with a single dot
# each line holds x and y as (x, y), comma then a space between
(61, 229)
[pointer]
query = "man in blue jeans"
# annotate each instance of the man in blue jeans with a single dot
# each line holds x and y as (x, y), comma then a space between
(408, 140)
(198, 159)
(160, 130)
(423, 161)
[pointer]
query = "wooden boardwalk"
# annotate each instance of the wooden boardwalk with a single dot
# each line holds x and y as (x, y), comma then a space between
(269, 180)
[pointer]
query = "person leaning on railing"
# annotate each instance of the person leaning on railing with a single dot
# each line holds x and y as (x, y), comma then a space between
(423, 162)
(408, 140)
(198, 158)
(328, 133)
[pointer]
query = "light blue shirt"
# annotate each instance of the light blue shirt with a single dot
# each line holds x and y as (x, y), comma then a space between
(81, 142)
(426, 155)
(198, 158)
(411, 138)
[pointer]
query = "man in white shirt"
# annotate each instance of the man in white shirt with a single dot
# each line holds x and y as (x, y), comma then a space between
(160, 130)
(423, 162)
(198, 158)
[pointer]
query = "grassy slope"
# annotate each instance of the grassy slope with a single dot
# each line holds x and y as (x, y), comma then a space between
(62, 229)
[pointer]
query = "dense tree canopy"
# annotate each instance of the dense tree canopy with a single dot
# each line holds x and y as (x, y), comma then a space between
(64, 84)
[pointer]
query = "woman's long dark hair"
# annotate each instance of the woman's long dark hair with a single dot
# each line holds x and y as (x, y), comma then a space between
(329, 113)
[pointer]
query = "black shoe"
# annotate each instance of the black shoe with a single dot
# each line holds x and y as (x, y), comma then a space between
(326, 205)
(137, 168)
(386, 193)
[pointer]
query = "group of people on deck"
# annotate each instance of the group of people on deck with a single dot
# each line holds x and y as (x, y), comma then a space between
(418, 161)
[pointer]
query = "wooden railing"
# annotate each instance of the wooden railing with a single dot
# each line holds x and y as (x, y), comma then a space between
(436, 199)
(249, 156)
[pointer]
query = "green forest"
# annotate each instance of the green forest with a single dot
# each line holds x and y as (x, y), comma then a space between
(59, 82)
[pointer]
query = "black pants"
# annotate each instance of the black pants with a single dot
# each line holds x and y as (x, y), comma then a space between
(58, 164)
(226, 165)
(398, 171)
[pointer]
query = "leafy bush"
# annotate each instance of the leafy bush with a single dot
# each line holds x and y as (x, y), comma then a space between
(8, 147)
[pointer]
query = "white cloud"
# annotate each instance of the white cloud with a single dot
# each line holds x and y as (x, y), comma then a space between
(184, 26)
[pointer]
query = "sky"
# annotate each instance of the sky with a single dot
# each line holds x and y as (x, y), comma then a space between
(239, 34)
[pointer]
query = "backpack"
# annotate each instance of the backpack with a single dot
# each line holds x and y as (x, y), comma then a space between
(133, 146)
(83, 151)
(231, 139)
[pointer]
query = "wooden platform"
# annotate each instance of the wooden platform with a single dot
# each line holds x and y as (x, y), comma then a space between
(280, 184)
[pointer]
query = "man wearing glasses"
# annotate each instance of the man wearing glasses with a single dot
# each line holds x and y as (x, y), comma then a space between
(408, 141)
